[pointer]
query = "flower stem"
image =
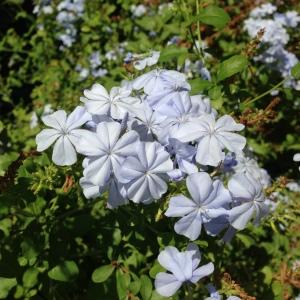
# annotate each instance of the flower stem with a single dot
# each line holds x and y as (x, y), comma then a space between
(199, 34)
(189, 292)
(247, 102)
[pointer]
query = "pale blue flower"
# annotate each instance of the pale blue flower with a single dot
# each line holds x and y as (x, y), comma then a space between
(229, 162)
(65, 133)
(213, 137)
(275, 33)
(146, 122)
(156, 80)
(184, 155)
(263, 10)
(176, 114)
(168, 92)
(145, 174)
(183, 267)
(214, 294)
(296, 158)
(106, 150)
(210, 200)
(288, 19)
(248, 200)
(140, 62)
(115, 104)
(201, 105)
(116, 191)
(248, 165)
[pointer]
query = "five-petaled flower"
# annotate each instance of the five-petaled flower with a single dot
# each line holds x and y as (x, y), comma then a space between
(210, 200)
(183, 267)
(65, 133)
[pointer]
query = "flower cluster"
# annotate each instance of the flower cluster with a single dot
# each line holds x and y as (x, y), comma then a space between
(275, 39)
(147, 132)
(95, 67)
(69, 11)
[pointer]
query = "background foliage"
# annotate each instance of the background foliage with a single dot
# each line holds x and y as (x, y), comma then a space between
(54, 243)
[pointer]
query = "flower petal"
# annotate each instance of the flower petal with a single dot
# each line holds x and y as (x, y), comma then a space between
(202, 271)
(180, 206)
(98, 171)
(200, 186)
(166, 284)
(209, 151)
(240, 215)
(46, 138)
(77, 118)
(64, 153)
(190, 225)
(56, 120)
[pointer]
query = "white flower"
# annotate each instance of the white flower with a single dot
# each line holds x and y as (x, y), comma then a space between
(156, 80)
(146, 122)
(183, 267)
(297, 157)
(184, 155)
(249, 200)
(115, 104)
(34, 120)
(148, 61)
(168, 92)
(288, 19)
(106, 150)
(64, 133)
(213, 136)
(145, 174)
(138, 10)
(274, 32)
(249, 166)
(210, 200)
(263, 10)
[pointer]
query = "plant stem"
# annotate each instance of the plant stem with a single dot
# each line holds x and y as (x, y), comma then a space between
(199, 34)
(189, 292)
(246, 102)
(195, 44)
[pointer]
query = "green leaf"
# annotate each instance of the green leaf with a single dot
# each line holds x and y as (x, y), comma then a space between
(66, 271)
(247, 240)
(268, 274)
(172, 52)
(155, 269)
(296, 71)
(30, 277)
(123, 281)
(215, 16)
(135, 286)
(146, 287)
(102, 274)
(6, 284)
(156, 296)
(231, 66)
(198, 85)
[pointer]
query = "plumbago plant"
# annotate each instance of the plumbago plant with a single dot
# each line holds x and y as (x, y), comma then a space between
(148, 186)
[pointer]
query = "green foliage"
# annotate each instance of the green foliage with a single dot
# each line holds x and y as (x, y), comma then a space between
(66, 271)
(231, 66)
(6, 284)
(215, 16)
(54, 243)
(296, 71)
(101, 274)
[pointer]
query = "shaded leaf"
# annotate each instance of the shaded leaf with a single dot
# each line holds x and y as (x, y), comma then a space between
(231, 66)
(102, 274)
(6, 284)
(66, 271)
(215, 16)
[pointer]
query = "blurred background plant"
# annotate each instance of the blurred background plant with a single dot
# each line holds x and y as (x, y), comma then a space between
(55, 244)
